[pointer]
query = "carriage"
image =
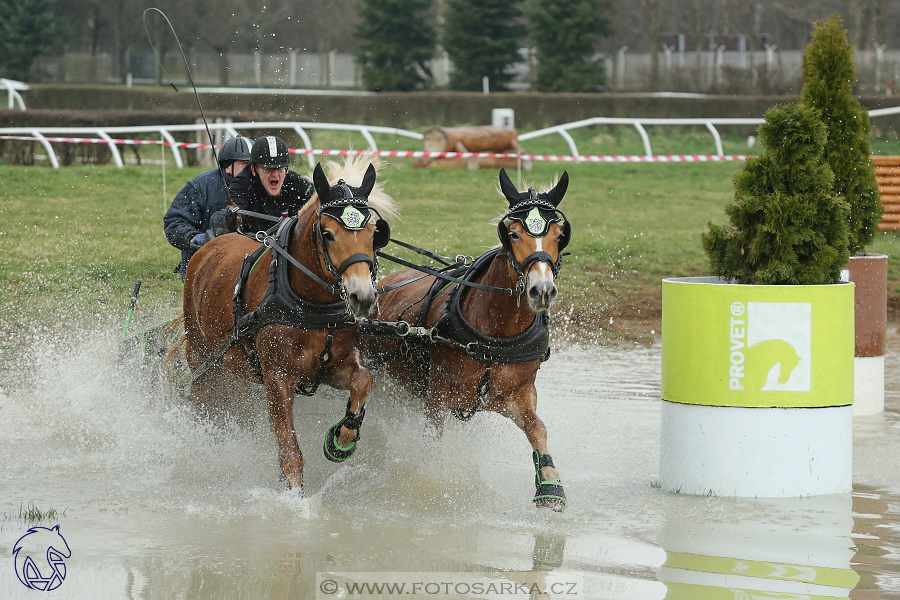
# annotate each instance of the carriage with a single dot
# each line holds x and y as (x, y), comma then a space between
(294, 308)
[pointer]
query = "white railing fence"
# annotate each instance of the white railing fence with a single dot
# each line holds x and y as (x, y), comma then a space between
(220, 130)
(108, 135)
(12, 89)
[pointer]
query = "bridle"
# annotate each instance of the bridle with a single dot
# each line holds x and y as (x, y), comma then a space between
(354, 214)
(535, 215)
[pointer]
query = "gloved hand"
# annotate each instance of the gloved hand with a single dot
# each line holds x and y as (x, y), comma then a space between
(197, 241)
(232, 218)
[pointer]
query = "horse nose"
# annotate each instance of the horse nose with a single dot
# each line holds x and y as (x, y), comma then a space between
(541, 295)
(361, 303)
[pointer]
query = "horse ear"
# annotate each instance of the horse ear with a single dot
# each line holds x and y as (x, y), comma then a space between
(368, 182)
(323, 188)
(509, 190)
(555, 195)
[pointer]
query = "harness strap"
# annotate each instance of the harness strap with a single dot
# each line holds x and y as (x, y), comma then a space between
(394, 286)
(356, 258)
(483, 388)
(250, 213)
(435, 273)
(444, 260)
(273, 244)
(252, 359)
(324, 361)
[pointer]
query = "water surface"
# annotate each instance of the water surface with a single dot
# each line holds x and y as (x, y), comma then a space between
(158, 505)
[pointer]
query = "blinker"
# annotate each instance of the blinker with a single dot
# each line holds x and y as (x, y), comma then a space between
(536, 220)
(352, 217)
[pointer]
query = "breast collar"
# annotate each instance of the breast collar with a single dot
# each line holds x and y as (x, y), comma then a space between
(281, 305)
(531, 344)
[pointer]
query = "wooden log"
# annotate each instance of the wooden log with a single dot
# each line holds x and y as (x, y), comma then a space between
(888, 179)
(886, 161)
(472, 163)
(471, 139)
(887, 198)
(889, 226)
(891, 218)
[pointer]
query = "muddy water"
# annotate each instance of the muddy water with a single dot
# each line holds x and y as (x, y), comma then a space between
(159, 506)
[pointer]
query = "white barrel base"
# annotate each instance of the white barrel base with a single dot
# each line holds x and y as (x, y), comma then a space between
(756, 452)
(868, 385)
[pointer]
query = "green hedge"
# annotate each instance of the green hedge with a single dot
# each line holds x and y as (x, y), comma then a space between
(107, 105)
(407, 110)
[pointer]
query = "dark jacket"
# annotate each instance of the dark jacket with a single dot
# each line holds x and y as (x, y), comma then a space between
(248, 193)
(191, 210)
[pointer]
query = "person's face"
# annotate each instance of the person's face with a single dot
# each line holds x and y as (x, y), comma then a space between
(236, 167)
(272, 179)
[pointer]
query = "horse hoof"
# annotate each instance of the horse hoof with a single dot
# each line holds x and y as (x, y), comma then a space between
(550, 495)
(333, 450)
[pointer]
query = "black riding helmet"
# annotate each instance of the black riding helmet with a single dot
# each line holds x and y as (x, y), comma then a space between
(237, 148)
(270, 152)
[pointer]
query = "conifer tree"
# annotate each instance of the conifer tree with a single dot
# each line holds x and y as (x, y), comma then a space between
(564, 33)
(397, 40)
(828, 79)
(481, 39)
(28, 29)
(787, 224)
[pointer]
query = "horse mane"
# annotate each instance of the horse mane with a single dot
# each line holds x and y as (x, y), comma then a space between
(351, 170)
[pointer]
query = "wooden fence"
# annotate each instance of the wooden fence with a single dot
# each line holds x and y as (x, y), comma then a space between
(887, 172)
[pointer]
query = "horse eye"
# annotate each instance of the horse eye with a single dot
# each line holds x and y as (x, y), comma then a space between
(329, 237)
(514, 235)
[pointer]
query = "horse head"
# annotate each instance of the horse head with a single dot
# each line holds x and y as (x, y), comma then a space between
(351, 229)
(534, 232)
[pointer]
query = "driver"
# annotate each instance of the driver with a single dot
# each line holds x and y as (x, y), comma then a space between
(191, 220)
(267, 186)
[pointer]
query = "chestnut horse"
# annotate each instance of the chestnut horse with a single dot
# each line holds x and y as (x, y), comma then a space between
(309, 335)
(482, 348)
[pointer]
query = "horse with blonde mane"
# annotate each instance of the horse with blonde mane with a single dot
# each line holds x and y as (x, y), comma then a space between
(471, 342)
(282, 309)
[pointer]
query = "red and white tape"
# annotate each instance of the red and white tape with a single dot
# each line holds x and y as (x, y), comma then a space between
(410, 154)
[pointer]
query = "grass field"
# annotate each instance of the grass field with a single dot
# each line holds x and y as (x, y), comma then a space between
(75, 239)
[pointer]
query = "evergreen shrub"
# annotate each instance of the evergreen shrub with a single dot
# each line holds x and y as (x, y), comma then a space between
(828, 79)
(788, 227)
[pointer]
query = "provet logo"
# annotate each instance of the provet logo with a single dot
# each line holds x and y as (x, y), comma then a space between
(770, 348)
(39, 558)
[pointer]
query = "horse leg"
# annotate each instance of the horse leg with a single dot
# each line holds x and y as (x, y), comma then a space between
(549, 492)
(280, 401)
(340, 441)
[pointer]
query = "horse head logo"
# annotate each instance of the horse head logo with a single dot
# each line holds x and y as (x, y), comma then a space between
(39, 558)
(763, 357)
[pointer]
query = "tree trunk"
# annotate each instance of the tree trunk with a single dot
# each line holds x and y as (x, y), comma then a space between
(223, 65)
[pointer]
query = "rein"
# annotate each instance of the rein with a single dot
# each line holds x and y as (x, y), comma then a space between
(441, 275)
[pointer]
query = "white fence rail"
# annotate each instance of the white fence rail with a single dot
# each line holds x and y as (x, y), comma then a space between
(41, 134)
(165, 131)
(12, 89)
(638, 124)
